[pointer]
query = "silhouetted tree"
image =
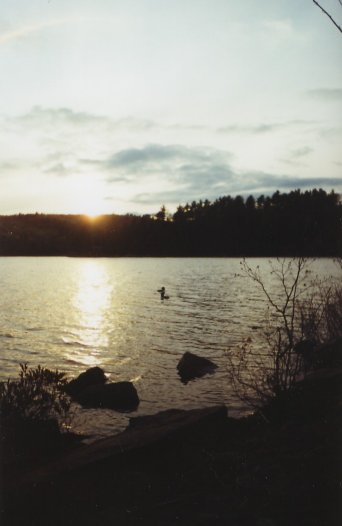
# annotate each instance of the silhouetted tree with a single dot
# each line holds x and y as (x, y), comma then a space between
(285, 224)
(161, 215)
(250, 203)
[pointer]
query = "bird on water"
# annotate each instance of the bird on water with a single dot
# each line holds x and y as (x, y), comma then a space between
(162, 294)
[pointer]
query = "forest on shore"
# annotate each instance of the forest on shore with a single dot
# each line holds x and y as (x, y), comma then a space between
(285, 224)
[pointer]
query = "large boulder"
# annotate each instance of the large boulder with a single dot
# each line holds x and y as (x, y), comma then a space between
(121, 396)
(191, 366)
(94, 376)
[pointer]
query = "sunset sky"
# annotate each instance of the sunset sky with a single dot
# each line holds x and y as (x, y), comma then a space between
(115, 106)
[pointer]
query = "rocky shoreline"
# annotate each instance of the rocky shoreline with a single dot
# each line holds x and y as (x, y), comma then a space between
(196, 467)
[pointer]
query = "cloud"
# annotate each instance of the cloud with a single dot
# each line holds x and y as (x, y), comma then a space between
(62, 125)
(7, 166)
(331, 133)
(246, 183)
(301, 152)
(261, 128)
(296, 156)
(65, 117)
(326, 94)
(272, 182)
(157, 154)
(184, 174)
(63, 142)
(34, 28)
(189, 167)
(39, 116)
(57, 123)
(135, 158)
(255, 183)
(61, 170)
(174, 197)
(175, 171)
(115, 155)
(279, 29)
(133, 123)
(311, 182)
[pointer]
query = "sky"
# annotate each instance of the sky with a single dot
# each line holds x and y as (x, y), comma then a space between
(117, 106)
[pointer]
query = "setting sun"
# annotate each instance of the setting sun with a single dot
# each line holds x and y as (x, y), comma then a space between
(92, 212)
(92, 215)
(88, 197)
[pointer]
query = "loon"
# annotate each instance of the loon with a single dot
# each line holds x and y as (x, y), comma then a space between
(162, 294)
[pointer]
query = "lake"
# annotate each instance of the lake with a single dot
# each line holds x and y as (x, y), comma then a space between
(74, 313)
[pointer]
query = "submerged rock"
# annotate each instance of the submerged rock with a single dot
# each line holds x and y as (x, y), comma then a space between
(192, 366)
(121, 396)
(91, 377)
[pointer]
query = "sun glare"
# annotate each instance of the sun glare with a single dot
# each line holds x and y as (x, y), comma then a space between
(93, 211)
(92, 216)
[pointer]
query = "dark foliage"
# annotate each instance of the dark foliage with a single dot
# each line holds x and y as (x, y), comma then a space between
(32, 410)
(37, 395)
(293, 224)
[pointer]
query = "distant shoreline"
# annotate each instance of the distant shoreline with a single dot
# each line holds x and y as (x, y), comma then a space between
(285, 225)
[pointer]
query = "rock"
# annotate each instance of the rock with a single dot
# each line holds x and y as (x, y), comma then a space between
(329, 355)
(91, 377)
(91, 390)
(192, 366)
(326, 355)
(142, 439)
(312, 399)
(121, 396)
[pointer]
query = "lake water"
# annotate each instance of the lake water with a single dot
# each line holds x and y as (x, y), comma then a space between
(74, 313)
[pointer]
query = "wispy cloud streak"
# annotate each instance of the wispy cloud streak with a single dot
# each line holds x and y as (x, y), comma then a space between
(34, 28)
(332, 94)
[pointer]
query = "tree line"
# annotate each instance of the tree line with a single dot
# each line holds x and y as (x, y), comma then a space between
(285, 224)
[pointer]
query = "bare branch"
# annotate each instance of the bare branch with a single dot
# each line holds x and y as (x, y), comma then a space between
(329, 16)
(307, 309)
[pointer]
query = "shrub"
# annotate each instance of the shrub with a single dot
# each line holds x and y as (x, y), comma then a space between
(38, 395)
(321, 314)
(307, 311)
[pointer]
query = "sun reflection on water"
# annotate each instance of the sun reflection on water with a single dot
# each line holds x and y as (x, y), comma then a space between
(92, 303)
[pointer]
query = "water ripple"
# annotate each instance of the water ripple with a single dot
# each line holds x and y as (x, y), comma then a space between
(74, 313)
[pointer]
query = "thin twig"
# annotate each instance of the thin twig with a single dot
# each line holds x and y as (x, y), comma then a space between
(329, 16)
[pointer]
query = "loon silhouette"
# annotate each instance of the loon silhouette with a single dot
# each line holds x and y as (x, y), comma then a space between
(162, 294)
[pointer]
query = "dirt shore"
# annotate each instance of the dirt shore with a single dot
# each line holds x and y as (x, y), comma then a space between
(196, 467)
